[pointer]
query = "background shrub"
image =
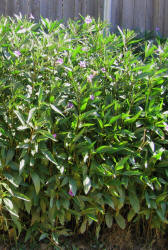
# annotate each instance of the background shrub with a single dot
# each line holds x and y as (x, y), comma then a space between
(83, 128)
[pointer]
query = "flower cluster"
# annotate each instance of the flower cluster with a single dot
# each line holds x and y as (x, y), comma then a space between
(82, 64)
(88, 20)
(17, 53)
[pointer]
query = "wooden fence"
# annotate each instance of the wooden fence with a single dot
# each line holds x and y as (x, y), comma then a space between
(53, 9)
(134, 14)
(138, 14)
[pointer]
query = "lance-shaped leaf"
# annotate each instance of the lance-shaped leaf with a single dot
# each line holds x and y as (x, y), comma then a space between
(86, 184)
(10, 207)
(120, 221)
(31, 113)
(36, 181)
(20, 117)
(49, 156)
(134, 201)
(56, 110)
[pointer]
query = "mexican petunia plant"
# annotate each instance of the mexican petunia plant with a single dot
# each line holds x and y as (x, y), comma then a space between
(83, 128)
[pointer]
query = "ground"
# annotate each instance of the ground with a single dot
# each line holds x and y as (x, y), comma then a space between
(110, 239)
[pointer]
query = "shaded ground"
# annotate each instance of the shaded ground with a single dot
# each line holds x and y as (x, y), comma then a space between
(110, 239)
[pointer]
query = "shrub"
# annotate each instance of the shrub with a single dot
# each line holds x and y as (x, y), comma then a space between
(83, 131)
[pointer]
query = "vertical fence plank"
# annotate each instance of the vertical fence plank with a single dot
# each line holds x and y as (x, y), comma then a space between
(165, 28)
(128, 14)
(2, 7)
(139, 15)
(17, 7)
(91, 7)
(21, 7)
(34, 8)
(10, 7)
(84, 7)
(149, 15)
(25, 7)
(68, 9)
(159, 14)
(116, 13)
(101, 9)
(56, 9)
(44, 8)
(78, 8)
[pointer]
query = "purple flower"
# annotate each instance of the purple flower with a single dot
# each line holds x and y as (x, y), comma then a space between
(60, 61)
(70, 105)
(82, 64)
(92, 97)
(31, 16)
(71, 193)
(84, 49)
(166, 128)
(157, 29)
(54, 135)
(103, 70)
(17, 53)
(90, 77)
(88, 20)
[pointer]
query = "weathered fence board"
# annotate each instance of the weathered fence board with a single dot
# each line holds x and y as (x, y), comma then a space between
(52, 9)
(128, 13)
(149, 15)
(133, 14)
(139, 14)
(166, 18)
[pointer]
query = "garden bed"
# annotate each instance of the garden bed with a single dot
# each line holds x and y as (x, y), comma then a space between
(83, 132)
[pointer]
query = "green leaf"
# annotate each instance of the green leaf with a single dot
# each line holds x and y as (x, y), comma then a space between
(92, 217)
(49, 156)
(20, 117)
(10, 207)
(108, 149)
(22, 196)
(31, 113)
(108, 201)
(120, 221)
(7, 188)
(65, 203)
(21, 166)
(149, 50)
(36, 181)
(83, 226)
(161, 216)
(131, 214)
(134, 201)
(109, 220)
(11, 179)
(56, 110)
(72, 186)
(47, 134)
(55, 238)
(43, 236)
(78, 136)
(86, 184)
(17, 223)
(100, 123)
(134, 118)
(112, 120)
(28, 206)
(10, 155)
(120, 164)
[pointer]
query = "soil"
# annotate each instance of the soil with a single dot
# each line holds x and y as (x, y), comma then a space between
(110, 239)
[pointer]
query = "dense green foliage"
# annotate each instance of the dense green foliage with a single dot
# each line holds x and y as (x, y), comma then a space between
(83, 128)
